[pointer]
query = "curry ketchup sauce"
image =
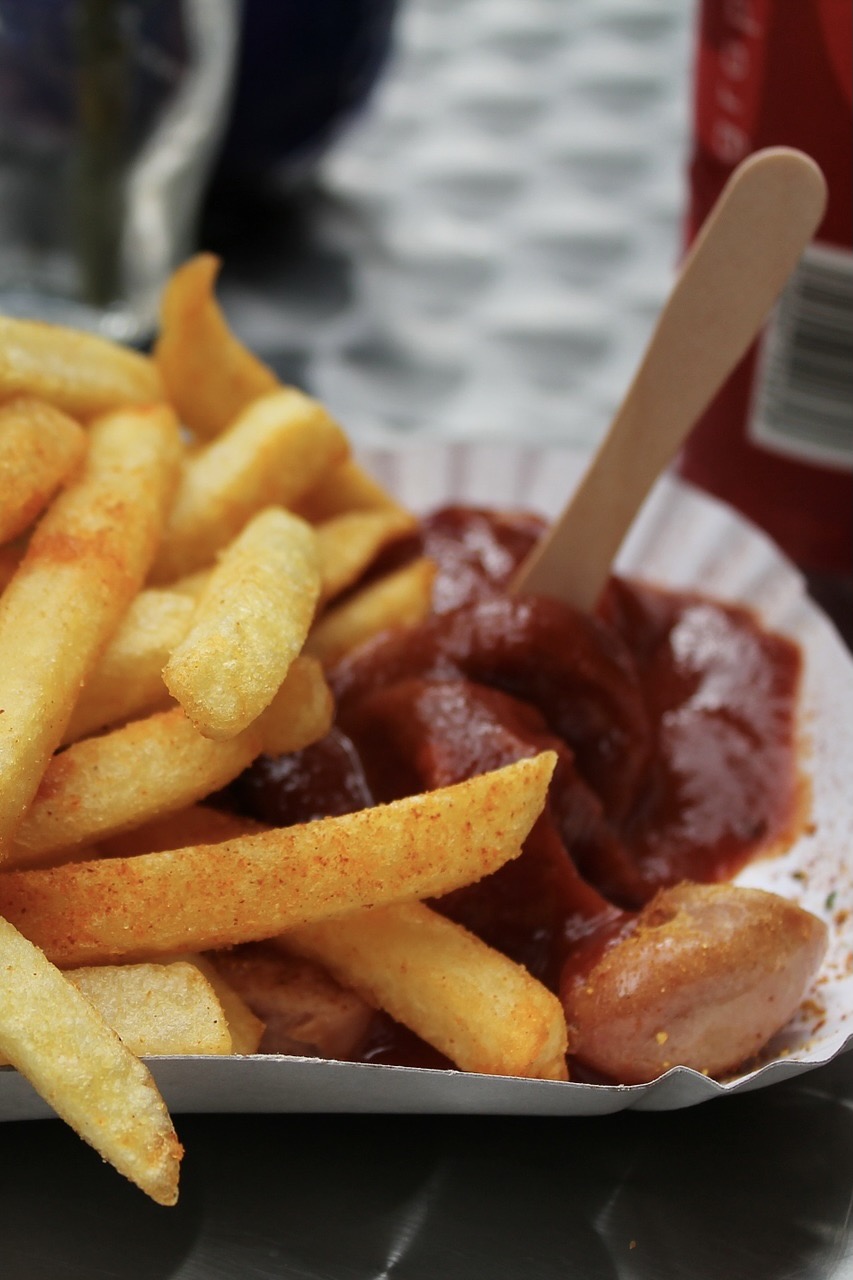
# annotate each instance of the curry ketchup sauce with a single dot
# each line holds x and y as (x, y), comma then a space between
(672, 717)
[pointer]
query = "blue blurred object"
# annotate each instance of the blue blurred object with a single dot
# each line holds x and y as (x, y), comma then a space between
(303, 71)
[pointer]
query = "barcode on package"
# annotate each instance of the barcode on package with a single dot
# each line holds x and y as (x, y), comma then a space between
(803, 401)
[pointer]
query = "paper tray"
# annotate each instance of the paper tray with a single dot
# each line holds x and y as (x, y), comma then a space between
(682, 539)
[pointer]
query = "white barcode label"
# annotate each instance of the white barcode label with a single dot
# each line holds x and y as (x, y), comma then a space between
(803, 398)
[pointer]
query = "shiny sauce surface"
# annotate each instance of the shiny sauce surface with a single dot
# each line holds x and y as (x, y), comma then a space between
(673, 718)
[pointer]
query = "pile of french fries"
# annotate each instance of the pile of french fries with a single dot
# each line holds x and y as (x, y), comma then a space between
(176, 533)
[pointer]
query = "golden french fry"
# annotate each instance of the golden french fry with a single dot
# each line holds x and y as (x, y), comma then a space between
(346, 487)
(277, 447)
(348, 544)
(478, 1008)
(209, 375)
(85, 562)
(58, 1040)
(117, 781)
(250, 622)
(103, 785)
(197, 824)
(301, 712)
(80, 373)
(244, 1027)
(157, 1008)
(400, 599)
(128, 679)
(273, 449)
(40, 447)
(257, 886)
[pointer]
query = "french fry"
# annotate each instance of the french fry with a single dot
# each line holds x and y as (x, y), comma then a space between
(478, 1008)
(109, 865)
(209, 375)
(128, 679)
(157, 1009)
(80, 373)
(245, 1029)
(85, 562)
(260, 885)
(58, 1040)
(197, 824)
(400, 599)
(201, 1008)
(40, 447)
(345, 488)
(275, 449)
(112, 783)
(250, 622)
(301, 712)
(348, 544)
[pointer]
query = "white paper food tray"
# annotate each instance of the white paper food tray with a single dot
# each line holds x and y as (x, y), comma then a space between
(682, 539)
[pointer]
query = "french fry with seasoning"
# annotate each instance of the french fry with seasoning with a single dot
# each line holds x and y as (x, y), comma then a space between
(259, 885)
(197, 824)
(250, 622)
(61, 1043)
(244, 1027)
(348, 544)
(40, 448)
(345, 488)
(211, 377)
(80, 373)
(128, 678)
(157, 1009)
(208, 374)
(470, 1002)
(279, 446)
(84, 564)
(115, 782)
(400, 599)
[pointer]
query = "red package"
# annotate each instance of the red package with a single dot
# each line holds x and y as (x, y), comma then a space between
(777, 442)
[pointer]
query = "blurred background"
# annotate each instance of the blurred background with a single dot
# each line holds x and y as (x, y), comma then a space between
(483, 248)
(463, 218)
(458, 217)
(469, 224)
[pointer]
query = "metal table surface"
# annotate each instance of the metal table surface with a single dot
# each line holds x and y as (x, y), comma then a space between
(755, 1187)
(483, 255)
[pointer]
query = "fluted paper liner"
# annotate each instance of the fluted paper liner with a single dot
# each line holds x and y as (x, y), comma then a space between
(681, 539)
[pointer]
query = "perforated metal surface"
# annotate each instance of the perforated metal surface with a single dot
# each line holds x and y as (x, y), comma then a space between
(492, 241)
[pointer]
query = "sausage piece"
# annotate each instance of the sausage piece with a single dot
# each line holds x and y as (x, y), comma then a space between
(702, 977)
